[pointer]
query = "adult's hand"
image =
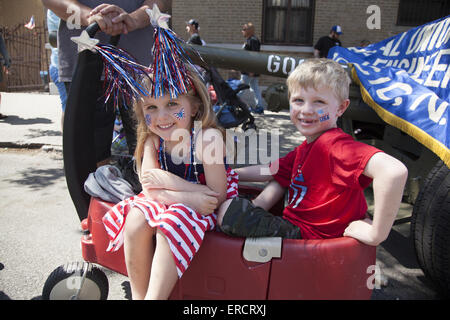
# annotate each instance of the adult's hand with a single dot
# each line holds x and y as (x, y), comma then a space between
(119, 16)
(106, 21)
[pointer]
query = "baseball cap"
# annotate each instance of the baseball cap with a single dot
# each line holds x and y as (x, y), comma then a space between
(337, 29)
(193, 22)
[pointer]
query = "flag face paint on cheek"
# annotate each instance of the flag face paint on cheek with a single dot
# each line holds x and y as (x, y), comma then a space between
(148, 119)
(323, 116)
(180, 114)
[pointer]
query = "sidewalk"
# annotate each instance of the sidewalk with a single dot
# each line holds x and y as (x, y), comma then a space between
(34, 121)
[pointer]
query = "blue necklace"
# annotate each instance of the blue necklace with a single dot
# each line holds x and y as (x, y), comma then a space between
(187, 173)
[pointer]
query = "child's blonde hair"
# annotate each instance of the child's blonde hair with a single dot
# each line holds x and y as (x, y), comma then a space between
(315, 73)
(198, 96)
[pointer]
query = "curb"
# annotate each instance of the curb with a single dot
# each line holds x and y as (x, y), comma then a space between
(32, 146)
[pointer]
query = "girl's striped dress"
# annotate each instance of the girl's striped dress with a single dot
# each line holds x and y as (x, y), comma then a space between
(183, 228)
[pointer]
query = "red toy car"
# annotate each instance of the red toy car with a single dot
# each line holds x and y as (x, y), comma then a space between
(282, 269)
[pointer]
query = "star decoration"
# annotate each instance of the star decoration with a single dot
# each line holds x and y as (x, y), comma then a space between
(180, 114)
(158, 19)
(85, 42)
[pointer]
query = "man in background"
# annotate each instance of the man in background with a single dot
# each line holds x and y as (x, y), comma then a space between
(192, 29)
(252, 43)
(324, 44)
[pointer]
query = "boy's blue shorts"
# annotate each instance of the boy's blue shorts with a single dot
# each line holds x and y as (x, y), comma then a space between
(243, 219)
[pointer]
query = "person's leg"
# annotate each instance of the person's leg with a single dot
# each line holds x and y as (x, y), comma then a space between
(62, 91)
(249, 99)
(260, 103)
(245, 79)
(163, 276)
(138, 251)
(2, 116)
(241, 218)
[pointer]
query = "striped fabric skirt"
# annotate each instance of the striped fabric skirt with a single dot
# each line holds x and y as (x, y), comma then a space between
(182, 226)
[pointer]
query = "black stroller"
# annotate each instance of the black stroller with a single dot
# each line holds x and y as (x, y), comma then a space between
(231, 111)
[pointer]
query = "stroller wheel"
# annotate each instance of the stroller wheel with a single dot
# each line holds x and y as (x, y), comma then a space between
(249, 125)
(76, 281)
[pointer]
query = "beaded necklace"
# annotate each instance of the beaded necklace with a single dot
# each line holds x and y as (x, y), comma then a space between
(193, 163)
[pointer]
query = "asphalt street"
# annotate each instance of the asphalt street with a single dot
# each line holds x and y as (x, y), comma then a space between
(39, 228)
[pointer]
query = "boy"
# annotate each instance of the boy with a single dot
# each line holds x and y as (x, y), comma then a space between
(325, 175)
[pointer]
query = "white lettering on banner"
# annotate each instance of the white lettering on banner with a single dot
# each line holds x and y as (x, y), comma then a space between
(398, 100)
(445, 33)
(412, 42)
(444, 82)
(404, 64)
(387, 48)
(429, 37)
(379, 61)
(413, 65)
(391, 50)
(437, 67)
(361, 69)
(381, 93)
(394, 51)
(362, 51)
(380, 80)
(426, 37)
(436, 34)
(339, 59)
(434, 114)
(418, 101)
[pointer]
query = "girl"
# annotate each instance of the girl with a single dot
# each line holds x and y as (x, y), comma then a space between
(180, 162)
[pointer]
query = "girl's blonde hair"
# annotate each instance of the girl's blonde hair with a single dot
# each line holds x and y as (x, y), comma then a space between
(315, 73)
(198, 96)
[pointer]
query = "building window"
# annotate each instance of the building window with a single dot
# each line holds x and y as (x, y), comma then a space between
(418, 12)
(288, 22)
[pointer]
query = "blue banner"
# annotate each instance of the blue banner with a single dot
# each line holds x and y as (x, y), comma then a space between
(405, 80)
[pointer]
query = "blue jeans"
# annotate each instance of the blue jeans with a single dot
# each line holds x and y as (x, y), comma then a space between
(253, 83)
(53, 70)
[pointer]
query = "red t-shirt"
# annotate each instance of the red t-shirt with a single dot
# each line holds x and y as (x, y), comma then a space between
(325, 183)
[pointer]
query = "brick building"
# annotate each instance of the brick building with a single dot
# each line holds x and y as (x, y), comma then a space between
(294, 26)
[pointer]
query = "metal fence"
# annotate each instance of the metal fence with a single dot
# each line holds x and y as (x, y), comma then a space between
(28, 57)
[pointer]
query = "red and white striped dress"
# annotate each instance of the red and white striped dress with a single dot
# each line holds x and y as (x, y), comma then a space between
(182, 226)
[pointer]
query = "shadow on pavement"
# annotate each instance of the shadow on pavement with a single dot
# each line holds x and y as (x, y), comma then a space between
(37, 179)
(12, 119)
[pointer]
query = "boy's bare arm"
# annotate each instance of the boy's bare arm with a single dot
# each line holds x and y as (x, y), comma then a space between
(389, 178)
(269, 196)
(258, 173)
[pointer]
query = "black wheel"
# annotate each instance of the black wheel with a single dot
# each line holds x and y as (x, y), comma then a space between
(430, 227)
(76, 281)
